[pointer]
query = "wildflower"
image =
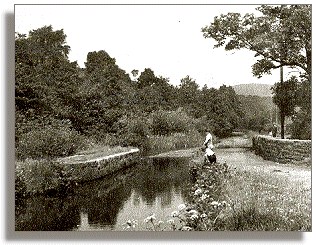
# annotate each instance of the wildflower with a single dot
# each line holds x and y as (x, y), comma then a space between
(181, 207)
(204, 196)
(214, 203)
(197, 192)
(170, 221)
(129, 223)
(194, 216)
(203, 215)
(175, 214)
(186, 228)
(224, 203)
(150, 218)
(160, 222)
(193, 212)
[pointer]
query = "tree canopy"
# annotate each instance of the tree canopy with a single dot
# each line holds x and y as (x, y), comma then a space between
(279, 36)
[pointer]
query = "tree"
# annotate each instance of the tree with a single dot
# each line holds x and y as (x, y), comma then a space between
(146, 78)
(104, 95)
(279, 30)
(280, 37)
(285, 96)
(188, 95)
(44, 77)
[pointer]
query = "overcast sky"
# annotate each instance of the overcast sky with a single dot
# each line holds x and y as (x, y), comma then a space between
(167, 39)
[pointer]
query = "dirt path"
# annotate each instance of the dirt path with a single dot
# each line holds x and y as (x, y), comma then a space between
(236, 153)
(243, 159)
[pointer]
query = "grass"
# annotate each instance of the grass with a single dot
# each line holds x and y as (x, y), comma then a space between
(263, 202)
(258, 199)
(176, 141)
(255, 201)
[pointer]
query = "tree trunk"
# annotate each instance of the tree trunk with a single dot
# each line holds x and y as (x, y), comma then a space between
(282, 123)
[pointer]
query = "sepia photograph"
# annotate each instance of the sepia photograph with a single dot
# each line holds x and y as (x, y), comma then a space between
(179, 117)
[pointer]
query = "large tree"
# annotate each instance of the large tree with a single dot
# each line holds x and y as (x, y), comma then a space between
(104, 96)
(44, 77)
(280, 36)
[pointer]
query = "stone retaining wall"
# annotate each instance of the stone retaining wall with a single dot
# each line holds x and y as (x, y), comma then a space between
(100, 167)
(283, 150)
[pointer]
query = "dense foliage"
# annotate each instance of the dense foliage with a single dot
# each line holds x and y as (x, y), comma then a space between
(60, 106)
(279, 36)
(259, 112)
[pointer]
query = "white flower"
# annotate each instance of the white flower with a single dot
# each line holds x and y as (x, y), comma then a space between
(194, 216)
(160, 222)
(170, 221)
(150, 218)
(193, 212)
(186, 228)
(197, 192)
(175, 214)
(181, 207)
(204, 196)
(224, 204)
(214, 203)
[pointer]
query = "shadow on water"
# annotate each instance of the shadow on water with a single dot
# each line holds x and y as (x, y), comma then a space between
(154, 185)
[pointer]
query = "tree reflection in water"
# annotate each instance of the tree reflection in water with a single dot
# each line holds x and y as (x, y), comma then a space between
(154, 185)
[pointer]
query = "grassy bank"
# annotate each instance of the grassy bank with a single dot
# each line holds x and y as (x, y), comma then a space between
(176, 141)
(46, 176)
(254, 200)
(262, 202)
(247, 194)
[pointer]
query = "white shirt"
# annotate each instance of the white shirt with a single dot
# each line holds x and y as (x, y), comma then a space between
(209, 141)
(209, 145)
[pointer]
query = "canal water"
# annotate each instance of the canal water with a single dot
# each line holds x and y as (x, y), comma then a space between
(153, 186)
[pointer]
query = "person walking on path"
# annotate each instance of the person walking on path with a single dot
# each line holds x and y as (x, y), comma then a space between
(208, 143)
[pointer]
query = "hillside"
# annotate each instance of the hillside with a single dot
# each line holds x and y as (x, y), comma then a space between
(261, 90)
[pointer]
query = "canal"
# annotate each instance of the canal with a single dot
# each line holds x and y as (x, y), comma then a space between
(152, 186)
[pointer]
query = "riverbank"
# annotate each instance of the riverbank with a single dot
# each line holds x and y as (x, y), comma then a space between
(259, 195)
(58, 176)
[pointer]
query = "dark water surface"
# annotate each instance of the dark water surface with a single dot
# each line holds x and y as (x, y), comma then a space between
(155, 185)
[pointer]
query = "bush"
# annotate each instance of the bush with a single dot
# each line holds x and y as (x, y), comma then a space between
(41, 177)
(36, 177)
(133, 131)
(53, 138)
(163, 143)
(301, 127)
(168, 122)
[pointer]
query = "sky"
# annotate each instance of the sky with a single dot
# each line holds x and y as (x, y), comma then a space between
(166, 38)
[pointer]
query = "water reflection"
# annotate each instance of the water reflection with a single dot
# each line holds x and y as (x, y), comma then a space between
(152, 186)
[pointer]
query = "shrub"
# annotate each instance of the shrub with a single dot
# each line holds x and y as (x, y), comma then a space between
(163, 143)
(168, 122)
(133, 131)
(301, 126)
(36, 177)
(48, 139)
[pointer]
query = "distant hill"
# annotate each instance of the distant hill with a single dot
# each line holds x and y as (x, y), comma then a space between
(262, 90)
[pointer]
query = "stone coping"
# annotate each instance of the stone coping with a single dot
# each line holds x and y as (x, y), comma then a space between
(279, 139)
(98, 159)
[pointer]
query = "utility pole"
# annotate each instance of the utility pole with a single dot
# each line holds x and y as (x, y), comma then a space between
(281, 111)
(283, 56)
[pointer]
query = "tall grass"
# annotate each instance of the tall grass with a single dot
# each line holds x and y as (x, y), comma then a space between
(37, 177)
(163, 143)
(264, 202)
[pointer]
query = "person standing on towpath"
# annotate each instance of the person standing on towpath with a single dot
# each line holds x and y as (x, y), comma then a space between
(208, 143)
